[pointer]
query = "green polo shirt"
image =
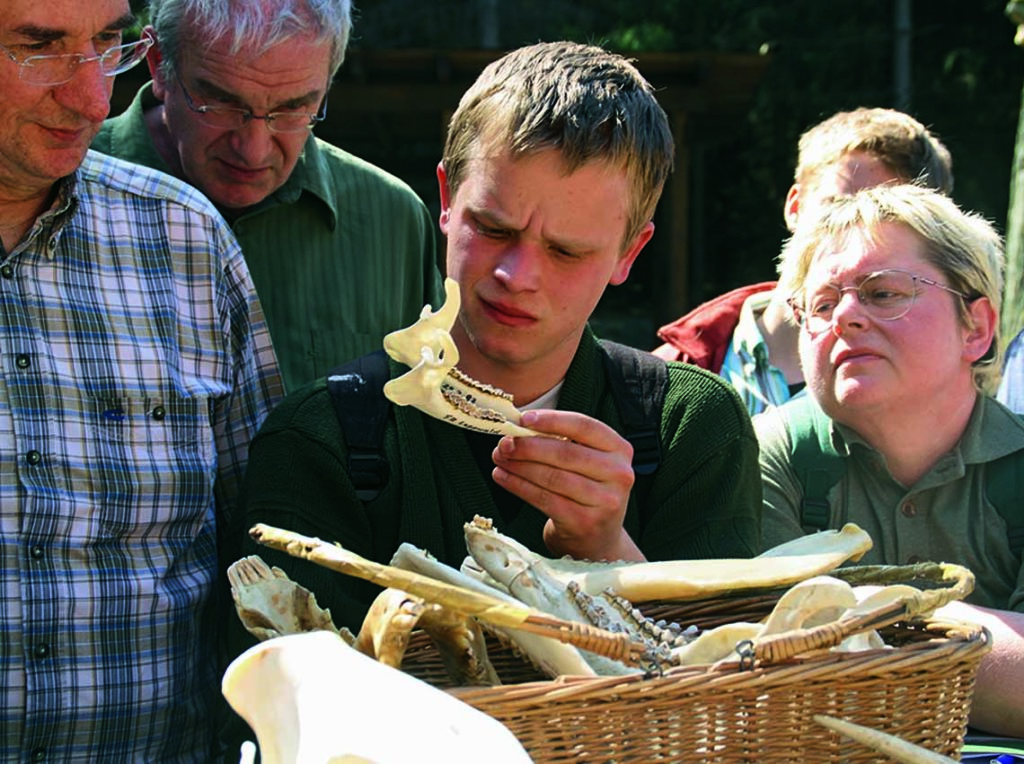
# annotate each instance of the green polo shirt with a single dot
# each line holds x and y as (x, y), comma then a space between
(944, 517)
(341, 254)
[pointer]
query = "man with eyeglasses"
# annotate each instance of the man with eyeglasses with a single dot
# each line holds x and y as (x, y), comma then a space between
(340, 251)
(747, 335)
(136, 366)
(897, 292)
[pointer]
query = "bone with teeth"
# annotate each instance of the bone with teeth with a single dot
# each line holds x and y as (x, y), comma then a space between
(435, 386)
(270, 604)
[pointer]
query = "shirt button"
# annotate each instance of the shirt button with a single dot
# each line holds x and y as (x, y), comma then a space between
(38, 754)
(159, 412)
(7, 272)
(33, 457)
(42, 650)
(22, 361)
(908, 509)
(36, 552)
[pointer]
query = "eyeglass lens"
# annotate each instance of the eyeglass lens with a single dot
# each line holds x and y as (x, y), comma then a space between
(886, 295)
(58, 69)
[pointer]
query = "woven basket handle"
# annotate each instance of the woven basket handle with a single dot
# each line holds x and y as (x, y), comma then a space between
(779, 647)
(782, 646)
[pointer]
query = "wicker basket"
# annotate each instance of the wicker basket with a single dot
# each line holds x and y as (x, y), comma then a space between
(919, 689)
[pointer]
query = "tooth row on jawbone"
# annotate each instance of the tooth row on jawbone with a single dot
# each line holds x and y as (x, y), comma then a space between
(435, 386)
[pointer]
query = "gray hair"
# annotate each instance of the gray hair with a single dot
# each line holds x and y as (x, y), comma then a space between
(962, 245)
(259, 24)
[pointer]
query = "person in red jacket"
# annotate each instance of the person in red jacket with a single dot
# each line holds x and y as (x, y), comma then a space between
(747, 335)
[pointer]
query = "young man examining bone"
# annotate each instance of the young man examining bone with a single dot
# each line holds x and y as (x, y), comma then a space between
(554, 162)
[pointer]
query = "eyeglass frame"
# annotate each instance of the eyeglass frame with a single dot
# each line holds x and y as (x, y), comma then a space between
(143, 44)
(248, 115)
(801, 314)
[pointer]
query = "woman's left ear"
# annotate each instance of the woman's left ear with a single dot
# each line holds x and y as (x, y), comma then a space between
(980, 335)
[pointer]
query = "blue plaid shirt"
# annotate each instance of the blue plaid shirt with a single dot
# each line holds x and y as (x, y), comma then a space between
(746, 365)
(135, 366)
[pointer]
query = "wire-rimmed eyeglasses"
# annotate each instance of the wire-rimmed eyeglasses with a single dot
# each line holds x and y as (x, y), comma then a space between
(57, 68)
(886, 295)
(233, 118)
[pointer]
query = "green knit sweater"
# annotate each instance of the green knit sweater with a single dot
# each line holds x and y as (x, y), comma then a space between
(705, 500)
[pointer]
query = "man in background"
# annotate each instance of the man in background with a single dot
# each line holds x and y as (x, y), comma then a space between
(340, 251)
(747, 335)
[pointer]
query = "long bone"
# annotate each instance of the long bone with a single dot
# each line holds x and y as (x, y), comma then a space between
(435, 386)
(678, 579)
(548, 655)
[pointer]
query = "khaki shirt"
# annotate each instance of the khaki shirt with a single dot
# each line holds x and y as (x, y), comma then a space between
(944, 517)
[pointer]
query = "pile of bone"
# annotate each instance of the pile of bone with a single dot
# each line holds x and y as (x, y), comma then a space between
(597, 594)
(320, 673)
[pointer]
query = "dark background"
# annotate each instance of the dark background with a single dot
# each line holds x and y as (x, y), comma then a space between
(952, 64)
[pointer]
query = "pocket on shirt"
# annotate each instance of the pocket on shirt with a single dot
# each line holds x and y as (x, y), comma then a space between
(156, 465)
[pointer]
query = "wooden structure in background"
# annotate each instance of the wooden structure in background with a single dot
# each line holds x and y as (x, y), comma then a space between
(391, 107)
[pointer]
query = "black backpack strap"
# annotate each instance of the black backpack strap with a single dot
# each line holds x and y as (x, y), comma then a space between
(357, 393)
(1004, 487)
(818, 466)
(638, 381)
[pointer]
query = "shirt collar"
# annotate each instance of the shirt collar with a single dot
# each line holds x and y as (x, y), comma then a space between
(992, 431)
(312, 176)
(52, 221)
(747, 341)
(129, 137)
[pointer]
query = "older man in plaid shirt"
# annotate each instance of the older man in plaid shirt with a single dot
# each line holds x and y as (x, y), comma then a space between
(135, 365)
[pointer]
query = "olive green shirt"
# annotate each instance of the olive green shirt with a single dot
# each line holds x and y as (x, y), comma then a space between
(944, 517)
(341, 254)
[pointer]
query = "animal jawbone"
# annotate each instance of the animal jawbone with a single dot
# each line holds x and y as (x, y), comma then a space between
(435, 386)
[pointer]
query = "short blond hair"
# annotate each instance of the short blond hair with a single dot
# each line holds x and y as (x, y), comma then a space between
(898, 140)
(962, 245)
(581, 100)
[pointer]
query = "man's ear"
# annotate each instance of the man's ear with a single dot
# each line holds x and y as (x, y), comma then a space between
(442, 183)
(978, 337)
(154, 60)
(625, 262)
(791, 210)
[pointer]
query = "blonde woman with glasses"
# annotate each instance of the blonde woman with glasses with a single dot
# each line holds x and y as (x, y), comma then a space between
(897, 293)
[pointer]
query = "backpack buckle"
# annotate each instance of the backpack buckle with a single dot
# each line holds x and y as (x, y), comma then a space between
(815, 514)
(646, 451)
(369, 474)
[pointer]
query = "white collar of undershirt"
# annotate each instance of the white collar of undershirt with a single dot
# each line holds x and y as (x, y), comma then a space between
(548, 400)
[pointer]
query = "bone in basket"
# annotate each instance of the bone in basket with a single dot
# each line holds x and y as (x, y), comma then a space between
(617, 646)
(490, 610)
